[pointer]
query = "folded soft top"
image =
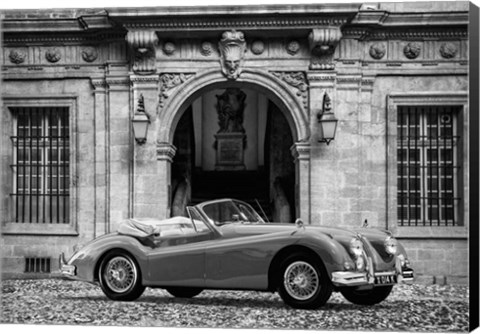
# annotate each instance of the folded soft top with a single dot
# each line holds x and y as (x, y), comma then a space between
(144, 227)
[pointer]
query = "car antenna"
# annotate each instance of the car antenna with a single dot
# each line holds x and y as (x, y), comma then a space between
(261, 209)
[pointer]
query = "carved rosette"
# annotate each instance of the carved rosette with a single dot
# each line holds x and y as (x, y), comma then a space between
(293, 47)
(258, 47)
(169, 48)
(448, 50)
(89, 54)
(17, 56)
(168, 81)
(142, 45)
(298, 81)
(412, 50)
(206, 49)
(232, 48)
(377, 50)
(323, 42)
(53, 55)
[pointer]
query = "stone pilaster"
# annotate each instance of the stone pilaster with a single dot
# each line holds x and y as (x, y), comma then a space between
(301, 154)
(100, 163)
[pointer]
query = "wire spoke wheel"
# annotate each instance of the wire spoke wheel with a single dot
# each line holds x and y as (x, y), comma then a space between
(301, 280)
(120, 274)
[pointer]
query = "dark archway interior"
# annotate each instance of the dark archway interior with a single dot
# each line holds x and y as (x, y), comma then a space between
(269, 188)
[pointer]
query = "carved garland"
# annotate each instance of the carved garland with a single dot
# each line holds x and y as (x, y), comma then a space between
(169, 81)
(297, 80)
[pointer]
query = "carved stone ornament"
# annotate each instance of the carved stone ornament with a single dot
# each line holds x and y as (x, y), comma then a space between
(412, 50)
(168, 81)
(377, 50)
(169, 48)
(17, 56)
(323, 42)
(448, 50)
(296, 80)
(258, 47)
(53, 55)
(142, 44)
(89, 54)
(232, 52)
(206, 49)
(293, 47)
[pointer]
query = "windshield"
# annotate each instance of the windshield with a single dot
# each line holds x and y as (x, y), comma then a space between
(225, 212)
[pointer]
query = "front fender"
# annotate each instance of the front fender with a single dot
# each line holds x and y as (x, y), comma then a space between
(87, 259)
(332, 253)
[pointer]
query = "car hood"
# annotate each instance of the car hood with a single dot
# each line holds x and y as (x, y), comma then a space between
(337, 233)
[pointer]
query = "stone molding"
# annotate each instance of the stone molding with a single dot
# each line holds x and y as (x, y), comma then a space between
(117, 82)
(298, 81)
(142, 43)
(168, 82)
(166, 151)
(98, 84)
(301, 151)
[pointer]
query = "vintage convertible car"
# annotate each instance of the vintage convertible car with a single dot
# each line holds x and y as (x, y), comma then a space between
(225, 244)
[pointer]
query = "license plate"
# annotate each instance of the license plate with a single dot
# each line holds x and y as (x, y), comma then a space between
(385, 279)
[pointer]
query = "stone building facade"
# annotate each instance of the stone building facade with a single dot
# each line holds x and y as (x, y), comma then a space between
(236, 94)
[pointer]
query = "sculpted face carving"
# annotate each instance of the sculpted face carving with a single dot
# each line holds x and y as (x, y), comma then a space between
(232, 51)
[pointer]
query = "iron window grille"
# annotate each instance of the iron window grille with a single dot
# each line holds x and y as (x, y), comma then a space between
(428, 166)
(37, 265)
(40, 166)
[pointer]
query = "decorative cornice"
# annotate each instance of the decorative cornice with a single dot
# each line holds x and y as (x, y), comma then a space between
(235, 23)
(419, 34)
(144, 79)
(117, 82)
(63, 39)
(312, 77)
(169, 81)
(298, 81)
(99, 83)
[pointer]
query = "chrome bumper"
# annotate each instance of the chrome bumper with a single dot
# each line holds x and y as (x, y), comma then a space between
(66, 269)
(352, 278)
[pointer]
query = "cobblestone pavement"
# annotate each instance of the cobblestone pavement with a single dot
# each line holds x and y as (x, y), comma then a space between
(408, 308)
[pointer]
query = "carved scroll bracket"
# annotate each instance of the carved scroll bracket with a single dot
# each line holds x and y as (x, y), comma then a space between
(168, 82)
(142, 45)
(323, 42)
(298, 82)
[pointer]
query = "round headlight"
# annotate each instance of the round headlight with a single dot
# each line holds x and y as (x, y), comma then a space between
(391, 245)
(356, 247)
(360, 263)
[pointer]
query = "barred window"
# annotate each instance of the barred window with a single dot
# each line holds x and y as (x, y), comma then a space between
(40, 165)
(428, 166)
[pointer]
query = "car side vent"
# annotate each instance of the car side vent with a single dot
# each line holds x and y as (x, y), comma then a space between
(37, 265)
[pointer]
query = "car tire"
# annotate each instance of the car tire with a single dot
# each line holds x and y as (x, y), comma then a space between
(120, 276)
(367, 297)
(304, 282)
(181, 292)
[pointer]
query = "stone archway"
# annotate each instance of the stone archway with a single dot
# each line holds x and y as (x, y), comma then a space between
(180, 90)
(179, 97)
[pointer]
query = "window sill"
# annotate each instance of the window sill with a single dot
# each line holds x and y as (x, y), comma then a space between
(38, 229)
(430, 232)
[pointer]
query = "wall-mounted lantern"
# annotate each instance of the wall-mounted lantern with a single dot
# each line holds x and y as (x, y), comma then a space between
(140, 122)
(327, 120)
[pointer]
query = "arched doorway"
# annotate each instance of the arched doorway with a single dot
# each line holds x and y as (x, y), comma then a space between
(179, 93)
(247, 157)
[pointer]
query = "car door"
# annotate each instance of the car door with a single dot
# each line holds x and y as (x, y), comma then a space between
(179, 260)
(242, 262)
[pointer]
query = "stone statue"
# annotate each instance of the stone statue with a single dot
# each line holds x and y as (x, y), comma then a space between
(232, 51)
(230, 106)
